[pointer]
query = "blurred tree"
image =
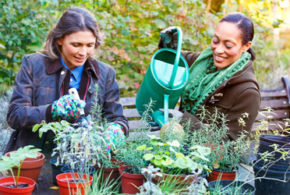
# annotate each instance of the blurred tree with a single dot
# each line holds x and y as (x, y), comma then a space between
(131, 30)
(214, 6)
(23, 27)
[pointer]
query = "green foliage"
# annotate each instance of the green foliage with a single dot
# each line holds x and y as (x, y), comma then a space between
(80, 148)
(16, 158)
(131, 30)
(236, 187)
(138, 25)
(170, 158)
(23, 28)
(225, 154)
(103, 187)
(131, 157)
(168, 186)
(56, 127)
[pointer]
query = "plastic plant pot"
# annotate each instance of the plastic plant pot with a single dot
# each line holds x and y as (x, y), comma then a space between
(5, 190)
(221, 175)
(73, 184)
(130, 182)
(30, 167)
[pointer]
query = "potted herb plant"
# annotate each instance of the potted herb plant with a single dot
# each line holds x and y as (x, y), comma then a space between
(17, 184)
(131, 176)
(103, 186)
(169, 185)
(225, 164)
(109, 167)
(107, 163)
(225, 154)
(79, 148)
(173, 163)
(30, 167)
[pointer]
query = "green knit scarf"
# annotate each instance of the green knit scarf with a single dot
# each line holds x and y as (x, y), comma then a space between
(204, 78)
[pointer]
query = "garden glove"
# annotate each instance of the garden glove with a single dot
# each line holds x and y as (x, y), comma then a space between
(114, 136)
(67, 108)
(169, 38)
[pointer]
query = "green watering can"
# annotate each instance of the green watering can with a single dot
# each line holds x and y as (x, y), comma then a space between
(164, 81)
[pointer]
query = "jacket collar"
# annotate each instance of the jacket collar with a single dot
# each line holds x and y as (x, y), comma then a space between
(52, 66)
(247, 74)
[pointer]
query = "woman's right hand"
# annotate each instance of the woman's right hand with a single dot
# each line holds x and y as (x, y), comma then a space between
(168, 38)
(67, 108)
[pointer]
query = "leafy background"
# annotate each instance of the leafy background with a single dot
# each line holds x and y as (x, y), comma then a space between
(131, 29)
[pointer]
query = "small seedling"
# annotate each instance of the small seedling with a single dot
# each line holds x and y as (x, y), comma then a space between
(16, 159)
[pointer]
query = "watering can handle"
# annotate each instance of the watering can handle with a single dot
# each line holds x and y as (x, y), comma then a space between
(177, 57)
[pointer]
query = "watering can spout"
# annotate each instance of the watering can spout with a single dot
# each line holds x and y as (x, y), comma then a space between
(164, 80)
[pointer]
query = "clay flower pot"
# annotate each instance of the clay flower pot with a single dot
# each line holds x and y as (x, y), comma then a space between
(218, 175)
(30, 167)
(130, 182)
(6, 190)
(68, 185)
(111, 172)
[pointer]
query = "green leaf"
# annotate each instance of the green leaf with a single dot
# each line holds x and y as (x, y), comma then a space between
(16, 157)
(148, 156)
(142, 147)
(167, 162)
(36, 127)
(179, 155)
(174, 143)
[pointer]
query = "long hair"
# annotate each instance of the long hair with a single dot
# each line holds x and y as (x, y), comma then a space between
(245, 25)
(72, 20)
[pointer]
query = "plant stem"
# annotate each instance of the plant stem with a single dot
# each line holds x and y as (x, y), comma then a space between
(11, 171)
(18, 173)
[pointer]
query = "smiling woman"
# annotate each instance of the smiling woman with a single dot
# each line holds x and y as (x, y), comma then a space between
(42, 84)
(227, 45)
(76, 48)
(222, 76)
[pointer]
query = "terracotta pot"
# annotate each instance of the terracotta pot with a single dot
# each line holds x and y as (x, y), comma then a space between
(30, 167)
(218, 175)
(130, 182)
(111, 173)
(19, 191)
(67, 186)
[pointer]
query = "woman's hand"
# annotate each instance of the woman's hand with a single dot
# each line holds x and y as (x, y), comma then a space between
(67, 108)
(169, 38)
(114, 136)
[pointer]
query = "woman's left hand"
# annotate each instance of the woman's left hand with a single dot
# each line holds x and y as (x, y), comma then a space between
(114, 136)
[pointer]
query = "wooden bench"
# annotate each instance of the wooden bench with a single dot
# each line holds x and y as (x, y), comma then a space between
(274, 109)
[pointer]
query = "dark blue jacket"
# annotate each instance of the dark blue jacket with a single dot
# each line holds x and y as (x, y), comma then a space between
(40, 81)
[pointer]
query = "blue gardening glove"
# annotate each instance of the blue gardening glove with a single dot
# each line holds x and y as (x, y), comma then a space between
(114, 136)
(67, 108)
